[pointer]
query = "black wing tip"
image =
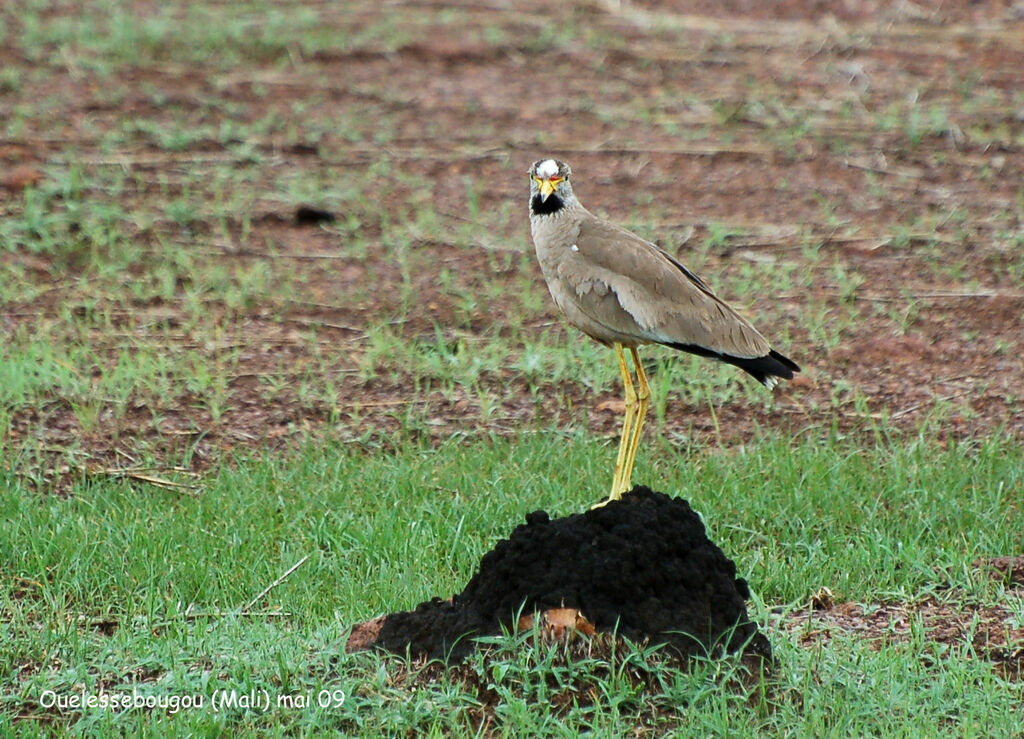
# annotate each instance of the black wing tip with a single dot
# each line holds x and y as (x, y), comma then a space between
(790, 366)
(767, 369)
(763, 369)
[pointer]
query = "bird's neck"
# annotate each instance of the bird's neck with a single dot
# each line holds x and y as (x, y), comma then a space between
(551, 227)
(540, 207)
(555, 203)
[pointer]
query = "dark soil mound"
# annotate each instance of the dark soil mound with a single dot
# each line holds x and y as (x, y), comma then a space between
(643, 565)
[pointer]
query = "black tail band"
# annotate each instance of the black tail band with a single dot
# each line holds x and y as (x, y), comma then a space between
(772, 364)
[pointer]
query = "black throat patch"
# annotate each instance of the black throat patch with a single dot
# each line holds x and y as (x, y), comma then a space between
(545, 207)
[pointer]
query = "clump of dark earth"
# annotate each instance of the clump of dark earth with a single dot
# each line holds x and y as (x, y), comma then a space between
(306, 215)
(642, 566)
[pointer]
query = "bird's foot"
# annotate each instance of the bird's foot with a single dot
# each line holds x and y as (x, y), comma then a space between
(615, 495)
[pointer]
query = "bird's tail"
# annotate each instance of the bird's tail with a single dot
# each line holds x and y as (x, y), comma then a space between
(767, 369)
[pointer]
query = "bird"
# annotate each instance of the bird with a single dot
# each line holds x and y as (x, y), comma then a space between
(625, 291)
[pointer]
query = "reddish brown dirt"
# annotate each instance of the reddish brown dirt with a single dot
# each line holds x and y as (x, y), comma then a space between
(768, 118)
(989, 632)
(992, 632)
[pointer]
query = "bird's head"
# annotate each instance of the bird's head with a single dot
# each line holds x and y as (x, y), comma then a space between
(550, 190)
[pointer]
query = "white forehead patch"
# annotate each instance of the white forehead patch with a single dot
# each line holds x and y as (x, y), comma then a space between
(547, 168)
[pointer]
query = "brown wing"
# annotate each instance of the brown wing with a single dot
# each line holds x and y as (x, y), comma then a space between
(656, 298)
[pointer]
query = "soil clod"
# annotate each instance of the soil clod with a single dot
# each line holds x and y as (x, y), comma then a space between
(642, 566)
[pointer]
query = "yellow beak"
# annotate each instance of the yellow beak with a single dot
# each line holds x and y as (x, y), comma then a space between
(547, 187)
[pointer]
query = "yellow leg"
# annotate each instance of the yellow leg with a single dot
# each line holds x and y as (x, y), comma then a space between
(644, 402)
(617, 485)
(621, 481)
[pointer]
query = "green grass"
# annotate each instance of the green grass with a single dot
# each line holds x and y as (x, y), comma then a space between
(152, 272)
(121, 586)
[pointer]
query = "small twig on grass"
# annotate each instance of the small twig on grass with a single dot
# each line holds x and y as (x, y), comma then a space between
(879, 415)
(125, 455)
(327, 324)
(274, 584)
(694, 149)
(941, 399)
(178, 487)
(60, 450)
(138, 474)
(180, 470)
(967, 294)
(894, 172)
(360, 404)
(192, 616)
(923, 295)
(224, 249)
(934, 295)
(149, 160)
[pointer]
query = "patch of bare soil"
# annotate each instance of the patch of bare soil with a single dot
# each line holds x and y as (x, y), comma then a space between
(762, 117)
(1009, 570)
(993, 632)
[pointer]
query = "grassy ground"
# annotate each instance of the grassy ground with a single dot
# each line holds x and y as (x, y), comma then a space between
(229, 433)
(123, 586)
